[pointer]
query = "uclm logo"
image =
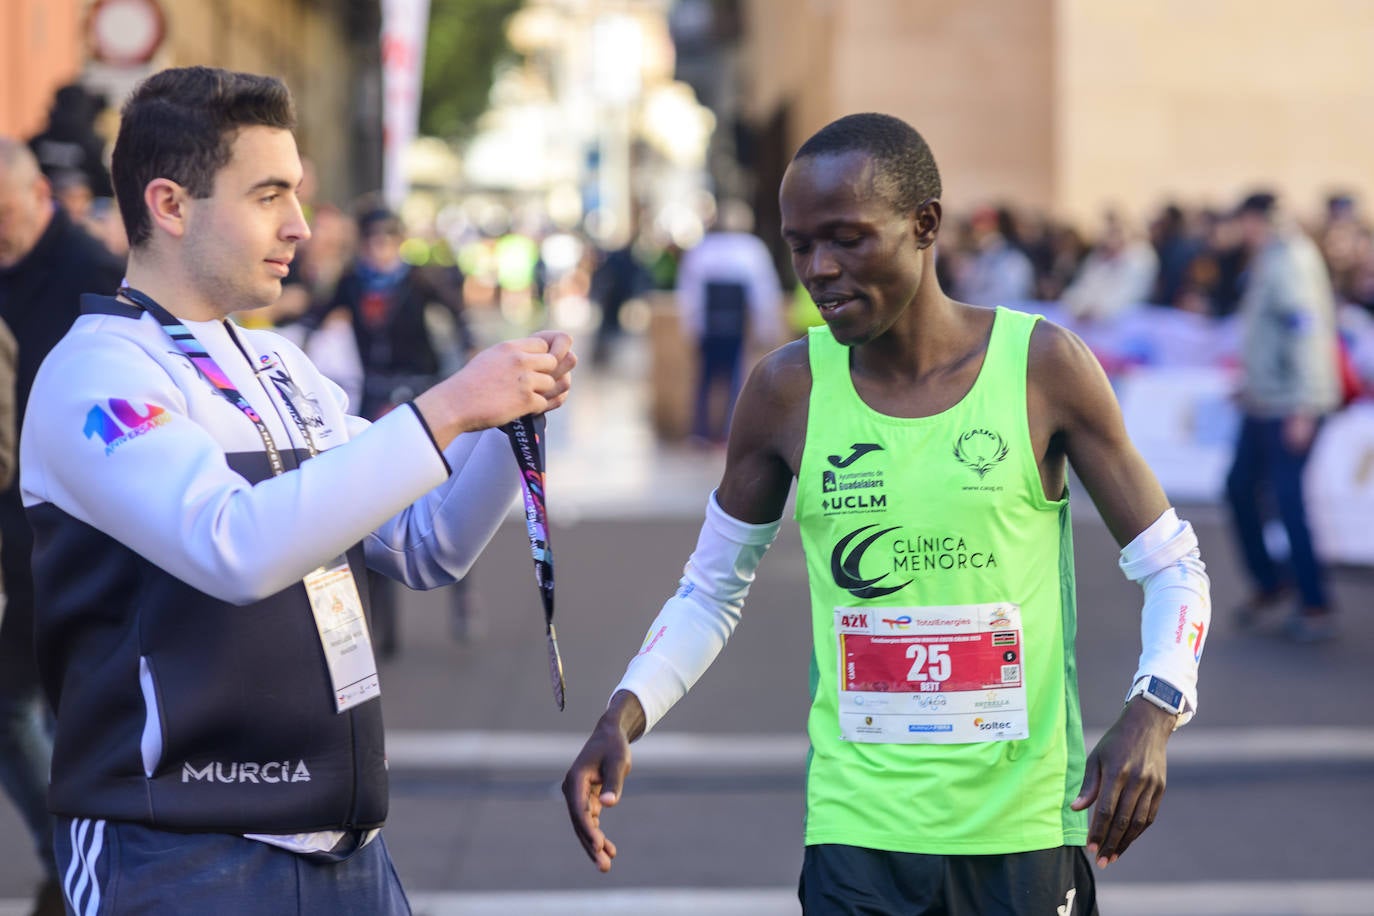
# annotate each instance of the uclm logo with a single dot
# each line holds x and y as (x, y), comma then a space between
(247, 771)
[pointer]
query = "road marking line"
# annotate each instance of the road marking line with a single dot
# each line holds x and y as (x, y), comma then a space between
(553, 750)
(1165, 898)
(1211, 898)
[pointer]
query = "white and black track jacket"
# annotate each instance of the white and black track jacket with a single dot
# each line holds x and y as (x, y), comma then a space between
(173, 632)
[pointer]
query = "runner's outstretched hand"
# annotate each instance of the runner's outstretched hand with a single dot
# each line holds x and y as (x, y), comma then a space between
(1125, 777)
(595, 779)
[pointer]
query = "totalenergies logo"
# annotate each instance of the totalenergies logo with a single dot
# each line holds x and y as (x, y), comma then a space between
(901, 623)
(1195, 640)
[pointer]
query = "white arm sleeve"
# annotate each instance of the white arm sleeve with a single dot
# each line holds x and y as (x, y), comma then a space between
(696, 622)
(1165, 560)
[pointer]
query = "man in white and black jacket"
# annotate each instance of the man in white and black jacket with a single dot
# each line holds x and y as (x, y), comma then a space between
(203, 508)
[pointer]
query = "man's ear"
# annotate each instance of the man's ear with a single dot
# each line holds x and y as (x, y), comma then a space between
(929, 215)
(166, 203)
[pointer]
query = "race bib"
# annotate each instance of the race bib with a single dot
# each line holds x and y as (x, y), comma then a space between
(931, 675)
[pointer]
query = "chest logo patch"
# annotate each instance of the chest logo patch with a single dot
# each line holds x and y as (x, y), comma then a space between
(857, 451)
(980, 450)
(844, 565)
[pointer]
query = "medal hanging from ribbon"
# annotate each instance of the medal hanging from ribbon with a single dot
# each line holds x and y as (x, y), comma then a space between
(527, 440)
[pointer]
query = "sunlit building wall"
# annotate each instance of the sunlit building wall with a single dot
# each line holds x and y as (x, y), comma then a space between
(1071, 105)
(325, 50)
(40, 50)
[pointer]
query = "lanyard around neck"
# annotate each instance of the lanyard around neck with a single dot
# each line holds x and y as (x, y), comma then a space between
(212, 373)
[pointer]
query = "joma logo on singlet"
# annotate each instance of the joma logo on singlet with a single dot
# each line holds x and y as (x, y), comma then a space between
(856, 451)
(239, 772)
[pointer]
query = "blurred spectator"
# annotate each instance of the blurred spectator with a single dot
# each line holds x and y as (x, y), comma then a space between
(998, 273)
(1344, 243)
(727, 292)
(617, 279)
(70, 142)
(386, 300)
(664, 264)
(1212, 281)
(1064, 253)
(1360, 288)
(1176, 248)
(46, 263)
(1118, 273)
(517, 265)
(72, 191)
(1288, 355)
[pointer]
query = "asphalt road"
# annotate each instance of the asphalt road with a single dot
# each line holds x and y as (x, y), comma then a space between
(1272, 783)
(1270, 789)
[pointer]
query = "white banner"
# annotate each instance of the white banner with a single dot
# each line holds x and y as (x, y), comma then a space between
(405, 28)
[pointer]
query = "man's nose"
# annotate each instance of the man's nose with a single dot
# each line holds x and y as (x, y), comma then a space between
(296, 228)
(820, 262)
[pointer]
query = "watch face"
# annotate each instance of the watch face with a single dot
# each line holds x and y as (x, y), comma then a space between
(1167, 692)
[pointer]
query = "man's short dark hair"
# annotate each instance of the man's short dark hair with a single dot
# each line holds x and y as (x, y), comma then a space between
(907, 173)
(181, 124)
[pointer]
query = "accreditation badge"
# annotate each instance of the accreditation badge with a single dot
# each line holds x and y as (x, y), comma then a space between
(931, 675)
(343, 633)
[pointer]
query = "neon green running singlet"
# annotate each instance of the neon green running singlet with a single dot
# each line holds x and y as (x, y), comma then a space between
(944, 715)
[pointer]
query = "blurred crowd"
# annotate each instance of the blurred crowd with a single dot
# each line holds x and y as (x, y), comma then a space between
(511, 263)
(1189, 258)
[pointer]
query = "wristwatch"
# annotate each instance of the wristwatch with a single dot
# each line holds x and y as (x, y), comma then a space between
(1161, 693)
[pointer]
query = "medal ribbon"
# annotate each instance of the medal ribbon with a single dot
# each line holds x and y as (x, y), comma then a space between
(527, 441)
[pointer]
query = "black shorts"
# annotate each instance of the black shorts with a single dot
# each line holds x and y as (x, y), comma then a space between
(853, 881)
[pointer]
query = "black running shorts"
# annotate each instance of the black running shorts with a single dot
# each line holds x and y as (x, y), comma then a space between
(853, 881)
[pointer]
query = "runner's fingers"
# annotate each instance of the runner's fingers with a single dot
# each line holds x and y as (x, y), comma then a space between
(1146, 807)
(1101, 823)
(1121, 823)
(584, 809)
(1092, 776)
(1156, 799)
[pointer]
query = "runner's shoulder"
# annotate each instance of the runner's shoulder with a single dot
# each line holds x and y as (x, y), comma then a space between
(784, 376)
(1060, 358)
(772, 408)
